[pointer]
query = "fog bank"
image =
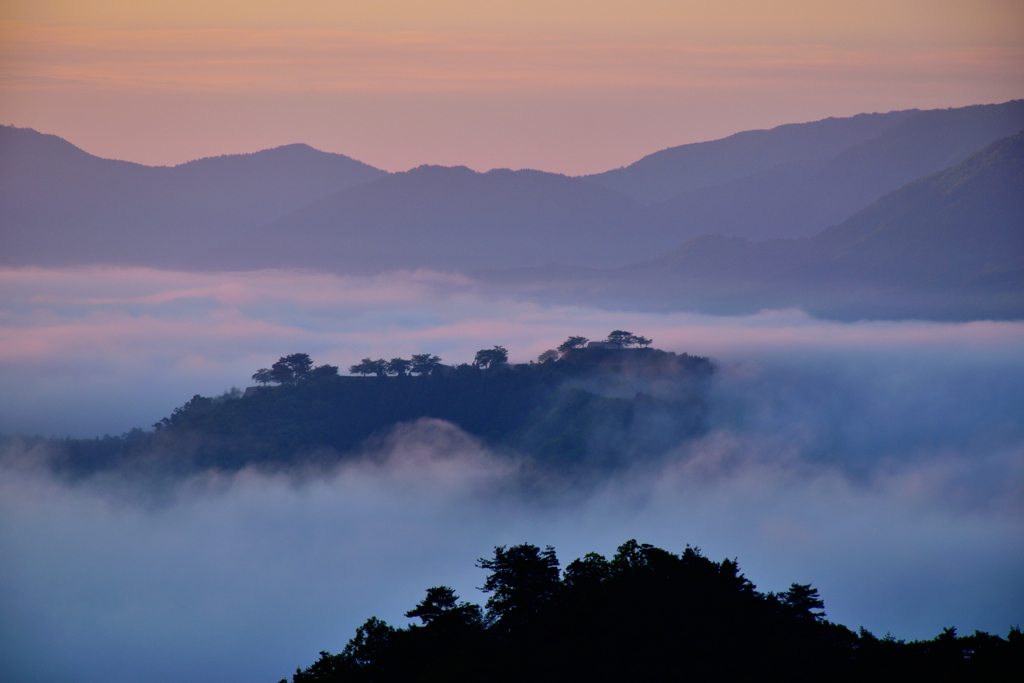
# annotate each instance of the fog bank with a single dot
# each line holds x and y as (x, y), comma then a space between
(88, 351)
(882, 462)
(243, 577)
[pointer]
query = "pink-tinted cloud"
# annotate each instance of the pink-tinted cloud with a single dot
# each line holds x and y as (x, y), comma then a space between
(146, 340)
(566, 87)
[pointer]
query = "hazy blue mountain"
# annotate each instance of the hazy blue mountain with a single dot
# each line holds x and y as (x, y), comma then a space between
(673, 171)
(803, 198)
(962, 227)
(60, 205)
(457, 219)
(452, 219)
(949, 245)
(296, 207)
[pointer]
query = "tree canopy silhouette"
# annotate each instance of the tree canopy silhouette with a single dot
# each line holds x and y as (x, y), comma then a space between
(491, 358)
(399, 366)
(645, 615)
(424, 363)
(293, 369)
(573, 343)
(368, 366)
(523, 580)
(623, 339)
(550, 354)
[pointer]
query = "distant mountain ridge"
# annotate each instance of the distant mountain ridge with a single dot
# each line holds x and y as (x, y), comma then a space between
(458, 219)
(450, 218)
(60, 205)
(743, 196)
(949, 245)
(663, 175)
(802, 198)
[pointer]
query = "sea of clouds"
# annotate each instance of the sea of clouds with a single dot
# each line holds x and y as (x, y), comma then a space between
(882, 462)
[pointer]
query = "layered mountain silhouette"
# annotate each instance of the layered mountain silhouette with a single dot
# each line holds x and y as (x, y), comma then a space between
(60, 205)
(948, 245)
(802, 197)
(746, 196)
(457, 219)
(452, 219)
(671, 172)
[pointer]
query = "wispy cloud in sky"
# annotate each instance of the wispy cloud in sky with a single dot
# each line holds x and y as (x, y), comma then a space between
(565, 86)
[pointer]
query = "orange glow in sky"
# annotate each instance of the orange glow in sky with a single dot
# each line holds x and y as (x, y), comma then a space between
(565, 86)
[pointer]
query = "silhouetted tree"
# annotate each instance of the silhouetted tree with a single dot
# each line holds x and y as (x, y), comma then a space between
(439, 601)
(442, 608)
(322, 372)
(292, 368)
(399, 366)
(587, 572)
(263, 376)
(287, 370)
(573, 343)
(619, 338)
(491, 358)
(370, 644)
(424, 363)
(623, 338)
(367, 366)
(522, 581)
(805, 601)
(550, 354)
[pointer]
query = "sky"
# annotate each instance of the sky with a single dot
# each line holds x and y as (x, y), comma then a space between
(880, 461)
(566, 86)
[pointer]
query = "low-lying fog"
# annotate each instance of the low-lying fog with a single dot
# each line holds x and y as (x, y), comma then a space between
(882, 462)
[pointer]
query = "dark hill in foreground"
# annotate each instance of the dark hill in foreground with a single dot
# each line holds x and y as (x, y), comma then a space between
(595, 410)
(645, 615)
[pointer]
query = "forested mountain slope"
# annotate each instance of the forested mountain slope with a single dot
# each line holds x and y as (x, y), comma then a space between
(591, 411)
(646, 614)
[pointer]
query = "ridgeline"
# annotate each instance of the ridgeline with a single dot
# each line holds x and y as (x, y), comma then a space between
(599, 405)
(645, 615)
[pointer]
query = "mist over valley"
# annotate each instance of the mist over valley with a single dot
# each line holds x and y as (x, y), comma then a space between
(716, 226)
(796, 349)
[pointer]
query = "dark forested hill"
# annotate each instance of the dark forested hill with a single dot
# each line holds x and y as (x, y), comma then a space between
(594, 409)
(644, 615)
(60, 205)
